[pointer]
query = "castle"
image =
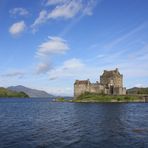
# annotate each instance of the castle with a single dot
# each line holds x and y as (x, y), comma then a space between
(111, 83)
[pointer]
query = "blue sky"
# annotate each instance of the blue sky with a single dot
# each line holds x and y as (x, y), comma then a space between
(48, 44)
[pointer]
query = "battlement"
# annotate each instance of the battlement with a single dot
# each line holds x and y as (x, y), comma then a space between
(82, 82)
(111, 73)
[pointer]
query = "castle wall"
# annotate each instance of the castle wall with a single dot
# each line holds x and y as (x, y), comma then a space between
(124, 91)
(119, 91)
(114, 80)
(106, 91)
(96, 88)
(80, 89)
(112, 77)
(111, 83)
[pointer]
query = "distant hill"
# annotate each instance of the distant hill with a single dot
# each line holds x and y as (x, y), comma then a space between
(137, 90)
(4, 93)
(33, 93)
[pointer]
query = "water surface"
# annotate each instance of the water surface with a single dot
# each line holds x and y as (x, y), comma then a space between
(30, 123)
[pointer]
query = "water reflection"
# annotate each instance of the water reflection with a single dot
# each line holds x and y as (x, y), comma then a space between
(40, 123)
(110, 127)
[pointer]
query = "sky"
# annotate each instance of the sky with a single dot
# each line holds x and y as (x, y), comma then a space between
(48, 44)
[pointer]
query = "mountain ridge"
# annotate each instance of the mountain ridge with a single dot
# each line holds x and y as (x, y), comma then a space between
(5, 93)
(137, 90)
(32, 93)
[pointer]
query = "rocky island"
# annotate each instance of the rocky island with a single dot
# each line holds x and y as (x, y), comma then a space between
(109, 89)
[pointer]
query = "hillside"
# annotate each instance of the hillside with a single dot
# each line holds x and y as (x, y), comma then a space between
(137, 90)
(33, 93)
(8, 93)
(94, 97)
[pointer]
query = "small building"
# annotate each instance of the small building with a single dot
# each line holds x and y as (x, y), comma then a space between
(111, 83)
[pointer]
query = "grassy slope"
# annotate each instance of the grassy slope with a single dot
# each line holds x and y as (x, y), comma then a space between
(93, 97)
(7, 93)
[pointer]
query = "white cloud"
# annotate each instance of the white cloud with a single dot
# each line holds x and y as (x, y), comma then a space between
(65, 9)
(70, 68)
(72, 64)
(43, 68)
(60, 91)
(41, 18)
(126, 36)
(140, 85)
(17, 28)
(14, 74)
(45, 52)
(88, 9)
(55, 45)
(19, 11)
(54, 2)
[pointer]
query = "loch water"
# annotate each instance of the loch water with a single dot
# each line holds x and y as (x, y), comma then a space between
(41, 123)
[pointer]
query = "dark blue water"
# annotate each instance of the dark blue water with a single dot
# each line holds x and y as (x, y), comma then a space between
(30, 123)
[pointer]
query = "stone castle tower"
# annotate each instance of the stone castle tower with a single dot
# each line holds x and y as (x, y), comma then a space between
(111, 83)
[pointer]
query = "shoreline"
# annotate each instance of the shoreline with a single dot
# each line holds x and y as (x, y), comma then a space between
(95, 98)
(71, 101)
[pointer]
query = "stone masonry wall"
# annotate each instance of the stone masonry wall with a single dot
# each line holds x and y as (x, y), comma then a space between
(111, 82)
(80, 88)
(96, 88)
(114, 79)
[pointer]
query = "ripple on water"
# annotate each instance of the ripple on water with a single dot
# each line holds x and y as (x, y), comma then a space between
(39, 123)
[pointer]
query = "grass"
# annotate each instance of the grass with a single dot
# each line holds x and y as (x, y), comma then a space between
(94, 97)
(60, 100)
(5, 93)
